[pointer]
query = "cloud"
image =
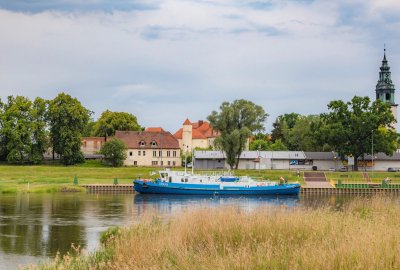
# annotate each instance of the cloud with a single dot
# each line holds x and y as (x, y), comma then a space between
(182, 58)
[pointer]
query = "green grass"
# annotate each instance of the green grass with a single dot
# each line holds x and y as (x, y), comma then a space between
(53, 176)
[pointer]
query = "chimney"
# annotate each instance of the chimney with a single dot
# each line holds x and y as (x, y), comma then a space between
(200, 123)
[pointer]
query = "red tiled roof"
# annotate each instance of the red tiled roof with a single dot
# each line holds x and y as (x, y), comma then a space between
(196, 134)
(187, 122)
(154, 129)
(132, 139)
(178, 134)
(200, 130)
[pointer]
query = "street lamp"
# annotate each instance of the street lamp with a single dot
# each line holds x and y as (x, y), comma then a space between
(372, 151)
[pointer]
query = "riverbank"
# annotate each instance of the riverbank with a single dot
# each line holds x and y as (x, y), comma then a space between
(361, 235)
(55, 178)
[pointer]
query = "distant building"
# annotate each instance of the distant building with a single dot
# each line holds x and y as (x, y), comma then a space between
(385, 90)
(152, 147)
(293, 160)
(198, 134)
(91, 146)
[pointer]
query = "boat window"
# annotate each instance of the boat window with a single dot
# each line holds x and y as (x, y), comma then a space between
(181, 179)
(170, 179)
(201, 180)
(162, 175)
(186, 179)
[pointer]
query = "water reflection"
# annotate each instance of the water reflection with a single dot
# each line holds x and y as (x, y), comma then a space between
(170, 204)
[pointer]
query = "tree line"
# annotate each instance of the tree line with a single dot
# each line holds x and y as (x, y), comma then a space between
(28, 129)
(348, 128)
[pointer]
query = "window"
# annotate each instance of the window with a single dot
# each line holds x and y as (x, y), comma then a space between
(169, 163)
(154, 153)
(153, 143)
(387, 96)
(142, 144)
(168, 153)
(160, 153)
(162, 163)
(95, 144)
(84, 144)
(154, 163)
(135, 163)
(139, 153)
(130, 153)
(174, 153)
(173, 163)
(144, 153)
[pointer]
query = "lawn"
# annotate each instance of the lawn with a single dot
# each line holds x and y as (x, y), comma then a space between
(53, 177)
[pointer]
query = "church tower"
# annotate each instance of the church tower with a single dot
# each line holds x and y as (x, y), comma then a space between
(385, 87)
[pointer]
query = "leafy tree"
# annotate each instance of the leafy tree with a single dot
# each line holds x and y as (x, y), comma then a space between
(68, 119)
(110, 121)
(283, 122)
(23, 137)
(259, 145)
(236, 121)
(349, 127)
(301, 137)
(278, 146)
(114, 152)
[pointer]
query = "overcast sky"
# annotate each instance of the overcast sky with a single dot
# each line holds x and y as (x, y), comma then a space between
(165, 60)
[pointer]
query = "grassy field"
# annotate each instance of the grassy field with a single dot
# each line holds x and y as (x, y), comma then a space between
(361, 235)
(50, 178)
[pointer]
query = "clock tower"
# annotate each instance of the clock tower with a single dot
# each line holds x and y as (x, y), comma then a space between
(385, 87)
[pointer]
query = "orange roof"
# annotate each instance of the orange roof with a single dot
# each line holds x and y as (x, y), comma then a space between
(154, 129)
(178, 134)
(196, 134)
(200, 130)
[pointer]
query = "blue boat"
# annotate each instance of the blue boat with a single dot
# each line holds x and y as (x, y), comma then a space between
(174, 182)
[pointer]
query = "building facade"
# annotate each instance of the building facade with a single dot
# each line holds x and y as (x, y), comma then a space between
(195, 135)
(385, 90)
(153, 147)
(293, 160)
(91, 146)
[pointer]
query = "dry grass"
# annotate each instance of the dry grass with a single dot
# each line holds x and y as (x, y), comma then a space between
(365, 234)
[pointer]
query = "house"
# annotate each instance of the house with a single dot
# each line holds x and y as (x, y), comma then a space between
(152, 147)
(91, 146)
(195, 135)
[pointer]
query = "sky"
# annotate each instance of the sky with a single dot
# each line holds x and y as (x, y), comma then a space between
(168, 60)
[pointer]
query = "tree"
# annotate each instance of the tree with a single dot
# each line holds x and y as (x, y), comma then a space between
(259, 145)
(236, 121)
(301, 137)
(114, 152)
(278, 145)
(283, 122)
(110, 121)
(349, 128)
(67, 118)
(23, 137)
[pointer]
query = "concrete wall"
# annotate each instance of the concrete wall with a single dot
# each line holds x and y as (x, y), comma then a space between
(91, 146)
(147, 157)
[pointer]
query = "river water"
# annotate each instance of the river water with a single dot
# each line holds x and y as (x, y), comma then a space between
(34, 227)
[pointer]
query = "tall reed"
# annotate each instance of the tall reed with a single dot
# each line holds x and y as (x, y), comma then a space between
(365, 234)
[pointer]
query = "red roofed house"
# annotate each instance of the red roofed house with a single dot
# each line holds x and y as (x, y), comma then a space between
(152, 147)
(198, 134)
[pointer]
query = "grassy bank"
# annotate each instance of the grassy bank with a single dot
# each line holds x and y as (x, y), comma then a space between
(53, 177)
(362, 235)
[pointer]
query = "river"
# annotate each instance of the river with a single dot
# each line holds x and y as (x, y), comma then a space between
(34, 227)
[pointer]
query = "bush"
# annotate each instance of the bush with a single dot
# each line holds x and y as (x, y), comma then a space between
(114, 152)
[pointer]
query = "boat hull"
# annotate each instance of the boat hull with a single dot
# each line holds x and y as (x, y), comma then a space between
(159, 187)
